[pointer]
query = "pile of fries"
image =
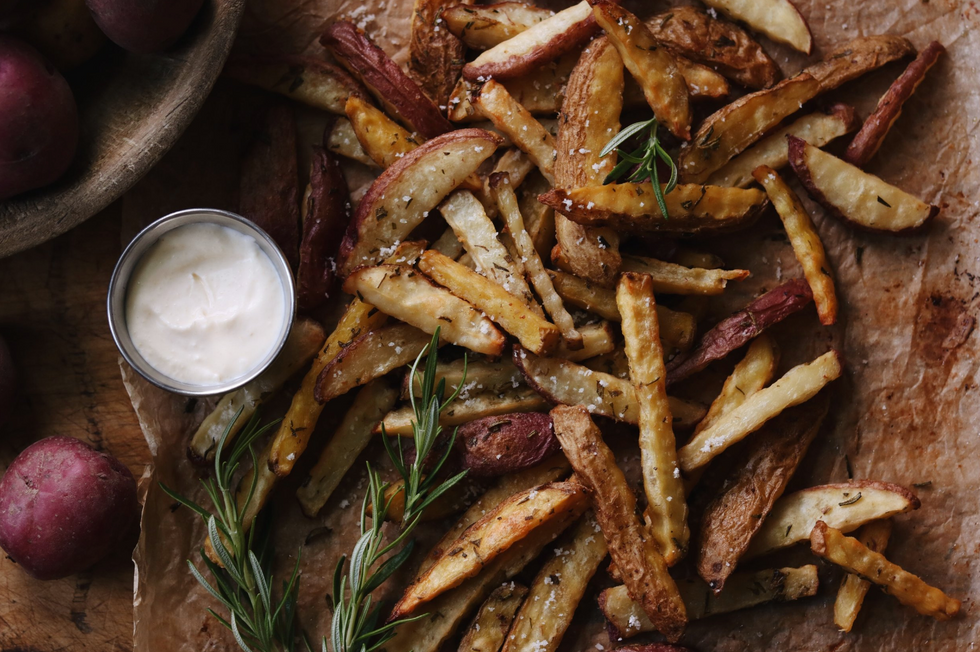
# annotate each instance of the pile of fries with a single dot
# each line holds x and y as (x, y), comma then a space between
(491, 218)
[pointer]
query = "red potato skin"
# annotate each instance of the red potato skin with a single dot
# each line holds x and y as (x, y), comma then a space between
(734, 332)
(144, 25)
(353, 49)
(797, 161)
(326, 219)
(64, 506)
(38, 120)
(867, 141)
(494, 446)
(8, 382)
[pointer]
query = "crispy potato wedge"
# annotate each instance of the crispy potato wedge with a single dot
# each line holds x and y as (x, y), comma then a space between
(395, 91)
(780, 20)
(758, 478)
(799, 384)
(493, 446)
(478, 405)
(327, 215)
(853, 556)
(850, 596)
(597, 339)
(493, 620)
(652, 66)
(304, 340)
(492, 535)
(735, 331)
(558, 588)
(481, 376)
(544, 41)
(309, 80)
(751, 374)
(692, 32)
(404, 194)
(343, 141)
(845, 506)
(632, 548)
(876, 127)
(507, 115)
(502, 307)
(614, 364)
(484, 26)
(805, 241)
(744, 590)
(404, 293)
(372, 402)
(671, 278)
(380, 137)
(666, 511)
(632, 208)
(854, 196)
(701, 81)
(857, 58)
(733, 128)
(435, 55)
(590, 116)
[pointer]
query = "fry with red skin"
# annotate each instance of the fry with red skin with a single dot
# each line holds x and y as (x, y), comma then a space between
(327, 215)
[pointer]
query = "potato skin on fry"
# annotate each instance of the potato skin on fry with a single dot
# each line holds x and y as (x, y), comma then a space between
(328, 212)
(493, 446)
(860, 56)
(435, 54)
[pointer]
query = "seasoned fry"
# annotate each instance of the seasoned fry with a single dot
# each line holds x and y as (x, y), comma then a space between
(614, 364)
(460, 411)
(597, 339)
(744, 590)
(381, 139)
(850, 595)
(493, 446)
(303, 342)
(502, 307)
(373, 401)
(750, 375)
(857, 58)
(507, 115)
(309, 80)
(327, 212)
(492, 535)
(342, 140)
(484, 26)
(805, 241)
(631, 207)
(652, 66)
(539, 220)
(780, 20)
(845, 506)
(701, 81)
(558, 588)
(632, 548)
(435, 55)
(854, 556)
(481, 376)
(492, 622)
(448, 244)
(671, 278)
(733, 128)
(799, 384)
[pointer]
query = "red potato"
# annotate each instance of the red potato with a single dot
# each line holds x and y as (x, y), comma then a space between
(64, 506)
(8, 382)
(496, 445)
(144, 25)
(38, 120)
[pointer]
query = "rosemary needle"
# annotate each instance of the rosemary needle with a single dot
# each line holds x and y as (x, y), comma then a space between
(644, 158)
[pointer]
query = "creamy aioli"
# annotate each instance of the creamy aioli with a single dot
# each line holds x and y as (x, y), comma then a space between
(205, 304)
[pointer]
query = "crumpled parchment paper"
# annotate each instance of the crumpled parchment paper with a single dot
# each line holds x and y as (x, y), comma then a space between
(907, 411)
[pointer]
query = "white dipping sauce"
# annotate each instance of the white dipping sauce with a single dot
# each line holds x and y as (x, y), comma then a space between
(205, 304)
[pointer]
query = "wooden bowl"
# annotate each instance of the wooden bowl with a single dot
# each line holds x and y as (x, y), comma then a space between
(132, 109)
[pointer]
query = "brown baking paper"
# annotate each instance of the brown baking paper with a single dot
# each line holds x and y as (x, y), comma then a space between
(907, 410)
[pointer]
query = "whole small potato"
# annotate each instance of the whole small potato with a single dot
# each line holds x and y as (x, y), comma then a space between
(144, 25)
(8, 382)
(64, 32)
(38, 120)
(64, 506)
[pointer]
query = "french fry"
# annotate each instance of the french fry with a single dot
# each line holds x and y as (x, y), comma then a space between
(566, 383)
(435, 55)
(481, 376)
(845, 506)
(304, 340)
(780, 20)
(542, 91)
(460, 411)
(309, 80)
(805, 241)
(503, 193)
(850, 595)
(751, 374)
(381, 138)
(403, 195)
(342, 140)
(507, 115)
(493, 620)
(694, 258)
(326, 212)
(484, 26)
(744, 590)
(632, 208)
(632, 548)
(370, 356)
(614, 364)
(493, 446)
(558, 588)
(491, 536)
(597, 339)
(539, 220)
(448, 244)
(405, 294)
(370, 405)
(666, 511)
(590, 115)
(853, 556)
(502, 307)
(799, 384)
(652, 66)
(671, 278)
(818, 128)
(857, 58)
(733, 128)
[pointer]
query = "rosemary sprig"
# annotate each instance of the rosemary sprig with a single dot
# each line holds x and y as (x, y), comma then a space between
(243, 581)
(355, 625)
(644, 158)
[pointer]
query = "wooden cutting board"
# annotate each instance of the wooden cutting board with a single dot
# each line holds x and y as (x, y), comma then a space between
(52, 314)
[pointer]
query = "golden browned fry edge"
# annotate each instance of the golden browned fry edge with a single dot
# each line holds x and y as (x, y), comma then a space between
(850, 595)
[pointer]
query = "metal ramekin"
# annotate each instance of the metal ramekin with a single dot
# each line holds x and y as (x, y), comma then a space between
(119, 284)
